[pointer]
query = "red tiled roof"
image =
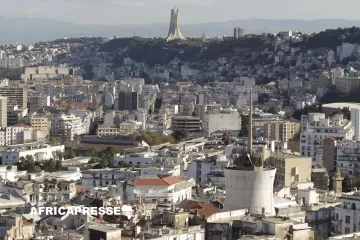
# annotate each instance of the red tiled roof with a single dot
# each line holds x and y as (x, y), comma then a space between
(80, 189)
(200, 209)
(26, 222)
(221, 200)
(21, 125)
(80, 105)
(164, 181)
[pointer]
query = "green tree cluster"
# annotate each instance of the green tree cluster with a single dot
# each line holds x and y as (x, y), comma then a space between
(69, 154)
(331, 38)
(29, 164)
(306, 110)
(105, 157)
(180, 135)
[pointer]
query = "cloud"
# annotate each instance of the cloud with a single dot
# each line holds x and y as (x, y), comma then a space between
(127, 3)
(33, 11)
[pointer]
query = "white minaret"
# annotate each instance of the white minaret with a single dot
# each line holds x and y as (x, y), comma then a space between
(250, 188)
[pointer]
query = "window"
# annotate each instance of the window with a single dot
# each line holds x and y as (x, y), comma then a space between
(347, 230)
(347, 219)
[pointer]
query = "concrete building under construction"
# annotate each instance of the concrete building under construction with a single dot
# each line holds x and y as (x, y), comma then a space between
(248, 184)
(174, 30)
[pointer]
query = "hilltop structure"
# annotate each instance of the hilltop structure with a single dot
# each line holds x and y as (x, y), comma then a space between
(174, 30)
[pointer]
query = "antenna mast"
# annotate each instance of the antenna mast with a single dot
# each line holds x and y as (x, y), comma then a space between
(250, 125)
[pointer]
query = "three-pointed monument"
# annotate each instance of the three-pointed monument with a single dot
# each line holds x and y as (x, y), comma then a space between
(174, 30)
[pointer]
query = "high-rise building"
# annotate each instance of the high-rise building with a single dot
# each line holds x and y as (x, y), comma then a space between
(186, 123)
(2, 54)
(355, 120)
(13, 63)
(38, 101)
(3, 112)
(128, 101)
(16, 96)
(239, 32)
(174, 30)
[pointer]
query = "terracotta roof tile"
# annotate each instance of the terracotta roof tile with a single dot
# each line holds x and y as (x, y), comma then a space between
(200, 209)
(162, 181)
(80, 105)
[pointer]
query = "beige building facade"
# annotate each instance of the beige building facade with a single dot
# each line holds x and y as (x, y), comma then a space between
(290, 168)
(41, 123)
(279, 130)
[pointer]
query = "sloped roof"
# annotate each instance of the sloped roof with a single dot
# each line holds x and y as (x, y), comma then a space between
(199, 209)
(160, 181)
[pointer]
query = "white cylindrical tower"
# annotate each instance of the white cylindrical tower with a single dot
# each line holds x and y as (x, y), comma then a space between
(252, 190)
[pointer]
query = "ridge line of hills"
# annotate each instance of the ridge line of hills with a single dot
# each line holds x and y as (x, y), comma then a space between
(31, 30)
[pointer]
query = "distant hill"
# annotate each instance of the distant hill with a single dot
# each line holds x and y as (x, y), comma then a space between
(30, 30)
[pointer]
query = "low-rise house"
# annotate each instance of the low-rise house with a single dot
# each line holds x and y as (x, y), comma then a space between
(158, 189)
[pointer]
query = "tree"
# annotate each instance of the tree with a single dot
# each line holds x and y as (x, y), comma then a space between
(226, 138)
(180, 135)
(123, 164)
(273, 110)
(92, 153)
(244, 126)
(69, 154)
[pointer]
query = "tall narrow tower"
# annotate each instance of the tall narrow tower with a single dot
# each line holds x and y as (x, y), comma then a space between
(338, 183)
(248, 185)
(174, 30)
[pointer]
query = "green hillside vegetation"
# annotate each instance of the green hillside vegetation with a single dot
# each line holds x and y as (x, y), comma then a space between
(332, 38)
(157, 51)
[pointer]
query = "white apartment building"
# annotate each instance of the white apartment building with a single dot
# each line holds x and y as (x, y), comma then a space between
(137, 158)
(199, 169)
(156, 189)
(10, 173)
(316, 128)
(347, 215)
(299, 102)
(20, 135)
(66, 127)
(39, 152)
(223, 120)
(105, 177)
(124, 129)
(86, 118)
(337, 73)
(13, 63)
(340, 154)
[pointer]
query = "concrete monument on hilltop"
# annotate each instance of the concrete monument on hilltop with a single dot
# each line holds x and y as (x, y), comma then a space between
(174, 30)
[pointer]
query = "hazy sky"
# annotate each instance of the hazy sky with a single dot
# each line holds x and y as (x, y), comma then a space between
(191, 11)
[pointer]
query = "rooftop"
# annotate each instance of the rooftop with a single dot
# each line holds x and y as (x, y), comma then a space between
(156, 181)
